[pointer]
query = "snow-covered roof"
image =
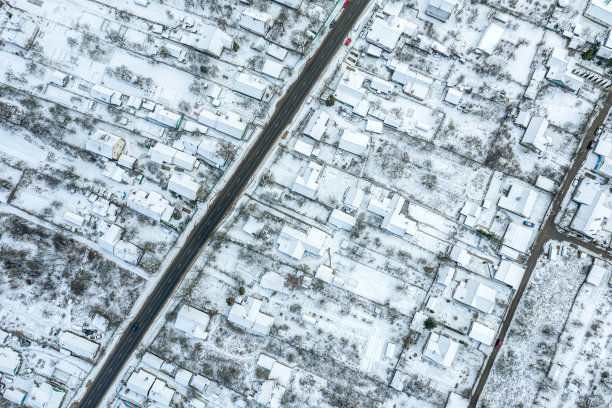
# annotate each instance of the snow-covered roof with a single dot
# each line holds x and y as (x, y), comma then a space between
(231, 124)
(126, 161)
(304, 146)
(256, 21)
(265, 361)
(306, 183)
(482, 333)
(523, 118)
(183, 377)
(381, 85)
(510, 273)
(58, 78)
(476, 295)
(185, 185)
(73, 218)
(114, 172)
(517, 237)
(248, 316)
(274, 281)
(350, 88)
(78, 345)
(316, 125)
(490, 38)
(140, 382)
(545, 183)
(445, 275)
(342, 220)
(45, 396)
(440, 349)
(596, 274)
(210, 40)
(374, 51)
(453, 96)
(270, 394)
(599, 11)
(520, 200)
(20, 31)
(393, 220)
(14, 395)
(10, 361)
(160, 392)
(460, 255)
(128, 252)
(280, 373)
(249, 85)
(354, 197)
(325, 273)
(105, 144)
(151, 204)
(272, 68)
(603, 147)
(277, 52)
(192, 321)
(393, 8)
(294, 243)
(152, 361)
(374, 126)
(184, 160)
(253, 226)
(105, 94)
(590, 218)
(354, 142)
(440, 9)
(161, 153)
(415, 84)
(457, 401)
(111, 236)
(166, 117)
(386, 33)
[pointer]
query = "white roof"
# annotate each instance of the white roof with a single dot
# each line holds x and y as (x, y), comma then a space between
(113, 172)
(104, 144)
(445, 275)
(126, 161)
(354, 197)
(393, 220)
(210, 40)
(10, 360)
(127, 251)
(460, 255)
(160, 392)
(161, 153)
(185, 185)
(249, 85)
(45, 396)
(341, 220)
(184, 160)
(523, 118)
(105, 94)
(510, 273)
(517, 237)
(354, 142)
(183, 377)
(440, 349)
(78, 345)
(590, 217)
(316, 125)
(482, 333)
(111, 236)
(280, 373)
(374, 126)
(490, 38)
(520, 200)
(600, 10)
(534, 134)
(255, 21)
(273, 281)
(381, 85)
(603, 147)
(192, 321)
(350, 89)
(248, 316)
(231, 124)
(306, 183)
(386, 33)
(151, 204)
(272, 68)
(265, 361)
(152, 360)
(165, 117)
(393, 8)
(374, 51)
(545, 183)
(294, 242)
(476, 295)
(453, 95)
(596, 275)
(277, 52)
(457, 401)
(253, 226)
(73, 218)
(325, 273)
(270, 394)
(14, 395)
(304, 146)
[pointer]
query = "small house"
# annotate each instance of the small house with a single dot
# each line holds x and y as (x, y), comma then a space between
(256, 21)
(249, 85)
(184, 185)
(105, 144)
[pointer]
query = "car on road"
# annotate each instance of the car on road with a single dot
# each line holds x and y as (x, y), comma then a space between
(346, 3)
(592, 144)
(135, 327)
(348, 41)
(498, 343)
(529, 224)
(332, 23)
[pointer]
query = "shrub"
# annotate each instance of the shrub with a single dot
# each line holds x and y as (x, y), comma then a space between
(230, 301)
(430, 324)
(241, 290)
(330, 101)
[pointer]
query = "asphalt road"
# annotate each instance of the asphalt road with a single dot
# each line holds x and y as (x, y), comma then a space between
(547, 232)
(286, 109)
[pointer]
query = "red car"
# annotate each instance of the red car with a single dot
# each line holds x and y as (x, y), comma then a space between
(346, 3)
(592, 144)
(499, 343)
(348, 41)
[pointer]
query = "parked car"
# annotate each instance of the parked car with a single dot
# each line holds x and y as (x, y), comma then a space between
(332, 23)
(346, 3)
(575, 182)
(498, 343)
(88, 332)
(348, 41)
(529, 224)
(135, 327)
(592, 144)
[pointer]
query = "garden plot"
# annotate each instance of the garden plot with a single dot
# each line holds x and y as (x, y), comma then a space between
(525, 359)
(567, 111)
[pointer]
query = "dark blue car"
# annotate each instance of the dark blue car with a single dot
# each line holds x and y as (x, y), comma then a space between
(332, 23)
(135, 327)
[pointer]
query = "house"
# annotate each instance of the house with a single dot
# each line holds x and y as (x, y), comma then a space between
(510, 273)
(353, 198)
(58, 78)
(490, 38)
(591, 218)
(380, 85)
(441, 9)
(248, 316)
(440, 349)
(453, 96)
(545, 184)
(256, 21)
(45, 396)
(152, 361)
(114, 172)
(398, 381)
(270, 394)
(445, 275)
(105, 144)
(341, 220)
(209, 40)
(605, 51)
(161, 393)
(518, 237)
(249, 85)
(471, 212)
(111, 236)
(520, 200)
(599, 11)
(208, 150)
(161, 153)
(350, 88)
(475, 295)
(415, 84)
(522, 119)
(460, 255)
(596, 275)
(231, 124)
(482, 333)
(394, 220)
(151, 204)
(20, 32)
(306, 183)
(316, 125)
(393, 8)
(192, 322)
(276, 51)
(73, 218)
(128, 252)
(457, 401)
(140, 382)
(354, 142)
(106, 95)
(126, 161)
(534, 134)
(386, 33)
(79, 346)
(274, 281)
(304, 146)
(10, 361)
(165, 117)
(175, 51)
(294, 243)
(14, 395)
(184, 160)
(184, 185)
(374, 126)
(560, 68)
(272, 68)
